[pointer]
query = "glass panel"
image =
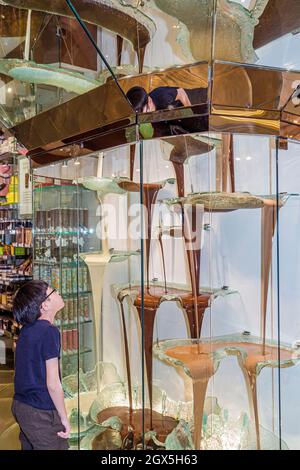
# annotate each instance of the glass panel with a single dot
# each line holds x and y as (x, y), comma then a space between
(15, 270)
(112, 392)
(183, 32)
(288, 171)
(95, 257)
(262, 32)
(217, 220)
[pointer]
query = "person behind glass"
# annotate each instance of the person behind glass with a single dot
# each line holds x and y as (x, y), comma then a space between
(38, 405)
(164, 97)
(170, 98)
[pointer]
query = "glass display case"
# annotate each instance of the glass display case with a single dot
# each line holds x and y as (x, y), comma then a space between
(166, 204)
(191, 281)
(15, 262)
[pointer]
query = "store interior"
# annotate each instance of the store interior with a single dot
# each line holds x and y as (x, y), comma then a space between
(172, 233)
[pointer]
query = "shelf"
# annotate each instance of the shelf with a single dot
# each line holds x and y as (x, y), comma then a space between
(5, 307)
(57, 263)
(60, 234)
(47, 187)
(9, 207)
(21, 245)
(7, 282)
(8, 157)
(65, 355)
(75, 294)
(74, 325)
(6, 221)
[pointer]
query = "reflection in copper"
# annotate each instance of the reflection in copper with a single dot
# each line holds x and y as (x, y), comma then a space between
(246, 87)
(91, 113)
(240, 125)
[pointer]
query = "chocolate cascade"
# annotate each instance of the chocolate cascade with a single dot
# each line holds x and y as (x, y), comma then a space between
(153, 298)
(203, 366)
(162, 424)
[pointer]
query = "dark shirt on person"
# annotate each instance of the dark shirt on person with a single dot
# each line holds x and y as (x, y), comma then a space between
(163, 96)
(37, 342)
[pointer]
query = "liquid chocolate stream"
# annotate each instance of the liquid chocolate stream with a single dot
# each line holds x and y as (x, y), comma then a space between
(160, 234)
(127, 361)
(268, 222)
(131, 161)
(227, 163)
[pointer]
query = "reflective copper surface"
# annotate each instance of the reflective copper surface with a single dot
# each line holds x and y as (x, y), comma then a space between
(244, 99)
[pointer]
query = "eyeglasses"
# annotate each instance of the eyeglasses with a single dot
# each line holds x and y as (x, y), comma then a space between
(53, 290)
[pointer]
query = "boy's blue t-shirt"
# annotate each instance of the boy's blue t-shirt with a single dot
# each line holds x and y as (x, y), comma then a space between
(37, 342)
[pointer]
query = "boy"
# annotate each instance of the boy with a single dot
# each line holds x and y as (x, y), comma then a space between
(38, 404)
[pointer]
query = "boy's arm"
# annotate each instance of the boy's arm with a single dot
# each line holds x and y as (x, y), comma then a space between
(57, 395)
(183, 97)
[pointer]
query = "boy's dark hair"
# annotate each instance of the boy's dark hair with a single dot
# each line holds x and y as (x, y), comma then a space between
(28, 300)
(138, 98)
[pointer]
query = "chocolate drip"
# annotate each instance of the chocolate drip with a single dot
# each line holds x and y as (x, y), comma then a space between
(250, 376)
(227, 158)
(131, 162)
(231, 164)
(268, 222)
(120, 42)
(179, 172)
(141, 57)
(127, 361)
(163, 259)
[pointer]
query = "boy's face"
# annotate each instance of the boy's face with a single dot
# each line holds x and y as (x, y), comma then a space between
(55, 301)
(150, 106)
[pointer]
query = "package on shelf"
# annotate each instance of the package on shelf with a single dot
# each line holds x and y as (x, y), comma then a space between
(75, 339)
(64, 314)
(83, 279)
(74, 279)
(8, 145)
(69, 341)
(55, 277)
(58, 318)
(64, 341)
(12, 196)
